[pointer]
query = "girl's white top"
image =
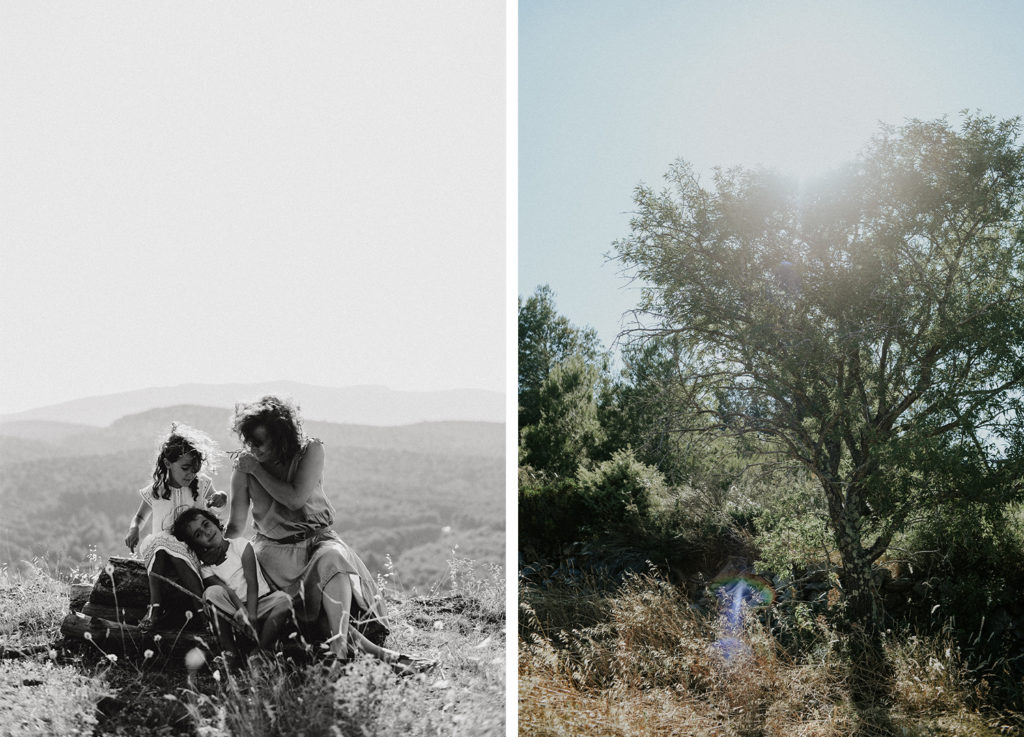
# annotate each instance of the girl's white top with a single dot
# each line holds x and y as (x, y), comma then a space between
(231, 573)
(165, 510)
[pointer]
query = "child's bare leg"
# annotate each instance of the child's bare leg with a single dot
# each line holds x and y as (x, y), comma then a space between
(273, 620)
(218, 600)
(187, 576)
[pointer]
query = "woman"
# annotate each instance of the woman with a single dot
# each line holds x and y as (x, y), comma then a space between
(280, 478)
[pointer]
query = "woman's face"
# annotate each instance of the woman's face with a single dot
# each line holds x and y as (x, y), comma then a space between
(203, 534)
(181, 472)
(260, 444)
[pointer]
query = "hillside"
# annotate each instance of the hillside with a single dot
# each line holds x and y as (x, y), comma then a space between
(411, 493)
(369, 405)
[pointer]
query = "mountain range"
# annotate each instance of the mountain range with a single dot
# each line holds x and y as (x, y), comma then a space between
(361, 405)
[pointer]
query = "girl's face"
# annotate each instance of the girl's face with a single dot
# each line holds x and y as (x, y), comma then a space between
(181, 472)
(260, 444)
(203, 534)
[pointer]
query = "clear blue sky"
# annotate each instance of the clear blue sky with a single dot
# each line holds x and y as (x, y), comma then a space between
(610, 93)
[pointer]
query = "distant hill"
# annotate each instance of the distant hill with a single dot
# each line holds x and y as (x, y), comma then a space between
(28, 440)
(362, 405)
(412, 494)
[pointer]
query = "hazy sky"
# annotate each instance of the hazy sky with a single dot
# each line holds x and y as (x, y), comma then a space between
(610, 97)
(239, 192)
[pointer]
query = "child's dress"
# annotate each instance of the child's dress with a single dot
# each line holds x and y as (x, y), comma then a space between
(163, 514)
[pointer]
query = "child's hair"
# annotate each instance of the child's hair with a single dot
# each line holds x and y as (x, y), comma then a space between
(183, 440)
(281, 419)
(181, 522)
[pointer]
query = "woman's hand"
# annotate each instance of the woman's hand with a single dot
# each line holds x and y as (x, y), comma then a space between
(132, 538)
(247, 463)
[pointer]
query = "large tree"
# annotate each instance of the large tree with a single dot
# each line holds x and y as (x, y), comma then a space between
(870, 323)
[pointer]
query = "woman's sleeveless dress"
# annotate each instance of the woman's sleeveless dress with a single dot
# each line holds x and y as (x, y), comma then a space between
(300, 554)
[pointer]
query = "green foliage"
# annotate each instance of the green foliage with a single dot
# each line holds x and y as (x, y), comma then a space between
(567, 431)
(552, 512)
(621, 492)
(546, 338)
(870, 325)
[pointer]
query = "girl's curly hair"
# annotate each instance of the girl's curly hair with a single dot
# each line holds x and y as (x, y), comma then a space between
(183, 440)
(181, 522)
(281, 419)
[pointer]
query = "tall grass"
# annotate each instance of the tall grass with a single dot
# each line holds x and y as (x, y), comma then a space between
(645, 660)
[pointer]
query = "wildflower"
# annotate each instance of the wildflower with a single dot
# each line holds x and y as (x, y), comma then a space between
(88, 636)
(109, 568)
(439, 625)
(157, 638)
(194, 659)
(216, 676)
(53, 654)
(188, 615)
(111, 657)
(147, 654)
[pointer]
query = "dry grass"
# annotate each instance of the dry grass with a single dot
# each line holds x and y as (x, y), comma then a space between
(90, 692)
(655, 665)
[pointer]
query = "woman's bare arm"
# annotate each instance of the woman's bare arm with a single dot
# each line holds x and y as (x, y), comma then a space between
(295, 494)
(239, 504)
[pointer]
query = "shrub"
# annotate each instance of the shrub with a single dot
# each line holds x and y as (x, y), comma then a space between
(621, 492)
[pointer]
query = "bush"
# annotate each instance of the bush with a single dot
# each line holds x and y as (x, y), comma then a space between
(621, 492)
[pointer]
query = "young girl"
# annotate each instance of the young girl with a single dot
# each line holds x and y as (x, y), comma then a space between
(177, 484)
(234, 583)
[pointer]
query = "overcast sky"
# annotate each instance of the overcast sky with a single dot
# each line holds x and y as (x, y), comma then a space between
(610, 97)
(241, 192)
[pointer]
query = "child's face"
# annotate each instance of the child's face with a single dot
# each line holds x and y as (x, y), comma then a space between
(181, 472)
(203, 534)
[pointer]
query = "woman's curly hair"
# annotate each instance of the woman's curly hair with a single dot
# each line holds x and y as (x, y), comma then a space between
(281, 419)
(183, 440)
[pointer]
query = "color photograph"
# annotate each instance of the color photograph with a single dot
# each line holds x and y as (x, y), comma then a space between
(770, 367)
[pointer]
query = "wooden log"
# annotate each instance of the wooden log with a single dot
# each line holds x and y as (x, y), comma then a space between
(115, 637)
(125, 615)
(80, 593)
(123, 583)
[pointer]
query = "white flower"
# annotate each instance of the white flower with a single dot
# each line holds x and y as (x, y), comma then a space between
(111, 657)
(216, 676)
(147, 654)
(157, 638)
(88, 636)
(53, 654)
(109, 568)
(194, 659)
(188, 615)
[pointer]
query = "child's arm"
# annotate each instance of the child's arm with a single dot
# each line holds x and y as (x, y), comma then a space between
(239, 504)
(213, 498)
(252, 588)
(132, 538)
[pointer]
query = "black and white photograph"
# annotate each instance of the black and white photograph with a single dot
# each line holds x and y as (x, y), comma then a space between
(253, 310)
